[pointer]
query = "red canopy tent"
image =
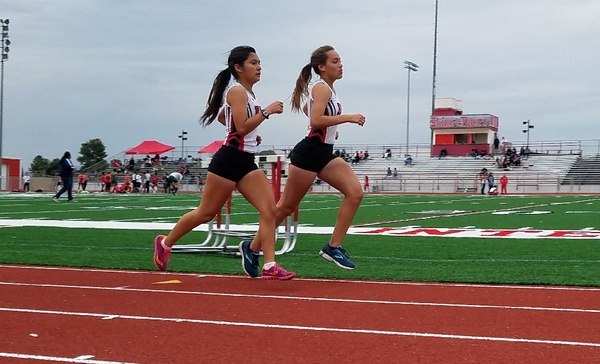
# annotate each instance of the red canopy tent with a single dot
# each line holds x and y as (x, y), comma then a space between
(150, 147)
(211, 148)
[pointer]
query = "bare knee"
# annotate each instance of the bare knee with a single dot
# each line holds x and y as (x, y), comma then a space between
(267, 212)
(200, 216)
(355, 196)
(285, 210)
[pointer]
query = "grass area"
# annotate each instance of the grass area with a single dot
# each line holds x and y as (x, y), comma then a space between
(406, 258)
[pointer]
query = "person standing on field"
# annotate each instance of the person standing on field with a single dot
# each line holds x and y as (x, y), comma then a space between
(65, 172)
(503, 184)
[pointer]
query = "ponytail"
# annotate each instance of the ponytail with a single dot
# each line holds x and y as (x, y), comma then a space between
(237, 55)
(215, 98)
(317, 58)
(301, 89)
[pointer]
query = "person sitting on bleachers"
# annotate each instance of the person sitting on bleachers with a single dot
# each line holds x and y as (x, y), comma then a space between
(356, 158)
(443, 153)
(506, 163)
(474, 152)
(388, 153)
(408, 160)
(515, 160)
(366, 155)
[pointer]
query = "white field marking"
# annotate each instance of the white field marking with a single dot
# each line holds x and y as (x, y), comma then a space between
(528, 206)
(360, 230)
(312, 328)
(300, 298)
(321, 280)
(82, 359)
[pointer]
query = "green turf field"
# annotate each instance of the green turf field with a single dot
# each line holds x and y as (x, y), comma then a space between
(540, 260)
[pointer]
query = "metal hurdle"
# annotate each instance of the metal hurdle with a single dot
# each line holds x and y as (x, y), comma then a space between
(220, 229)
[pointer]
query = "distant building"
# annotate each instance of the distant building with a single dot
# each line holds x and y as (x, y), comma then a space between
(460, 133)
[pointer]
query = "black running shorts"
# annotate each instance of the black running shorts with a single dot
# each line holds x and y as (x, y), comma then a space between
(312, 155)
(232, 164)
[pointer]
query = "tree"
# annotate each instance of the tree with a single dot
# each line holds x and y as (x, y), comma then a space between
(52, 169)
(39, 165)
(92, 154)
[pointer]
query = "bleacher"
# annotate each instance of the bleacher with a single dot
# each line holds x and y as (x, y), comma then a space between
(538, 173)
(585, 171)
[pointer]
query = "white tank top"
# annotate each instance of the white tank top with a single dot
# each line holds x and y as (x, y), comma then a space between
(247, 143)
(333, 108)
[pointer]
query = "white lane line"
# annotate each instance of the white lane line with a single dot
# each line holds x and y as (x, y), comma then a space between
(385, 283)
(300, 298)
(83, 359)
(311, 328)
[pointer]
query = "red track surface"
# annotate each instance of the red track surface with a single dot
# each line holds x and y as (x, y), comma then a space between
(98, 316)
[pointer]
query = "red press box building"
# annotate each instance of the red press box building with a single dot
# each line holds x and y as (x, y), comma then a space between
(10, 178)
(459, 133)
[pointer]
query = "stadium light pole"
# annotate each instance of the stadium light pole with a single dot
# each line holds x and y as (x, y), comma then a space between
(435, 39)
(183, 139)
(410, 66)
(4, 43)
(529, 127)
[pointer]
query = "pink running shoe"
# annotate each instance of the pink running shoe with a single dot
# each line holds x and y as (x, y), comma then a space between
(276, 272)
(161, 255)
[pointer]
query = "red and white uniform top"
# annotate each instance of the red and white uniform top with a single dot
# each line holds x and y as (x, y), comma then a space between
(333, 108)
(248, 142)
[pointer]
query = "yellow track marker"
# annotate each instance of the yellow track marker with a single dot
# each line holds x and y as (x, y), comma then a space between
(172, 281)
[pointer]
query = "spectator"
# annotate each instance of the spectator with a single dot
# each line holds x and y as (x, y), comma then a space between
(503, 184)
(496, 143)
(408, 160)
(515, 160)
(80, 179)
(490, 180)
(356, 158)
(443, 153)
(113, 181)
(388, 153)
(395, 174)
(137, 181)
(366, 154)
(154, 180)
(483, 179)
(65, 172)
(26, 179)
(474, 152)
(147, 178)
(389, 172)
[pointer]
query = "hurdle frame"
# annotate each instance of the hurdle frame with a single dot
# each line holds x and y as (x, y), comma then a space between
(220, 232)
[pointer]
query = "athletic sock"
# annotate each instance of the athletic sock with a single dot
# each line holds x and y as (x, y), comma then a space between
(165, 246)
(268, 265)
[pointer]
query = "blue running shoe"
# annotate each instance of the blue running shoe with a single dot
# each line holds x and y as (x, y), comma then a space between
(249, 259)
(338, 256)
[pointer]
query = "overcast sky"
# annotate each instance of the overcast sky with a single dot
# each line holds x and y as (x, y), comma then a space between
(127, 71)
